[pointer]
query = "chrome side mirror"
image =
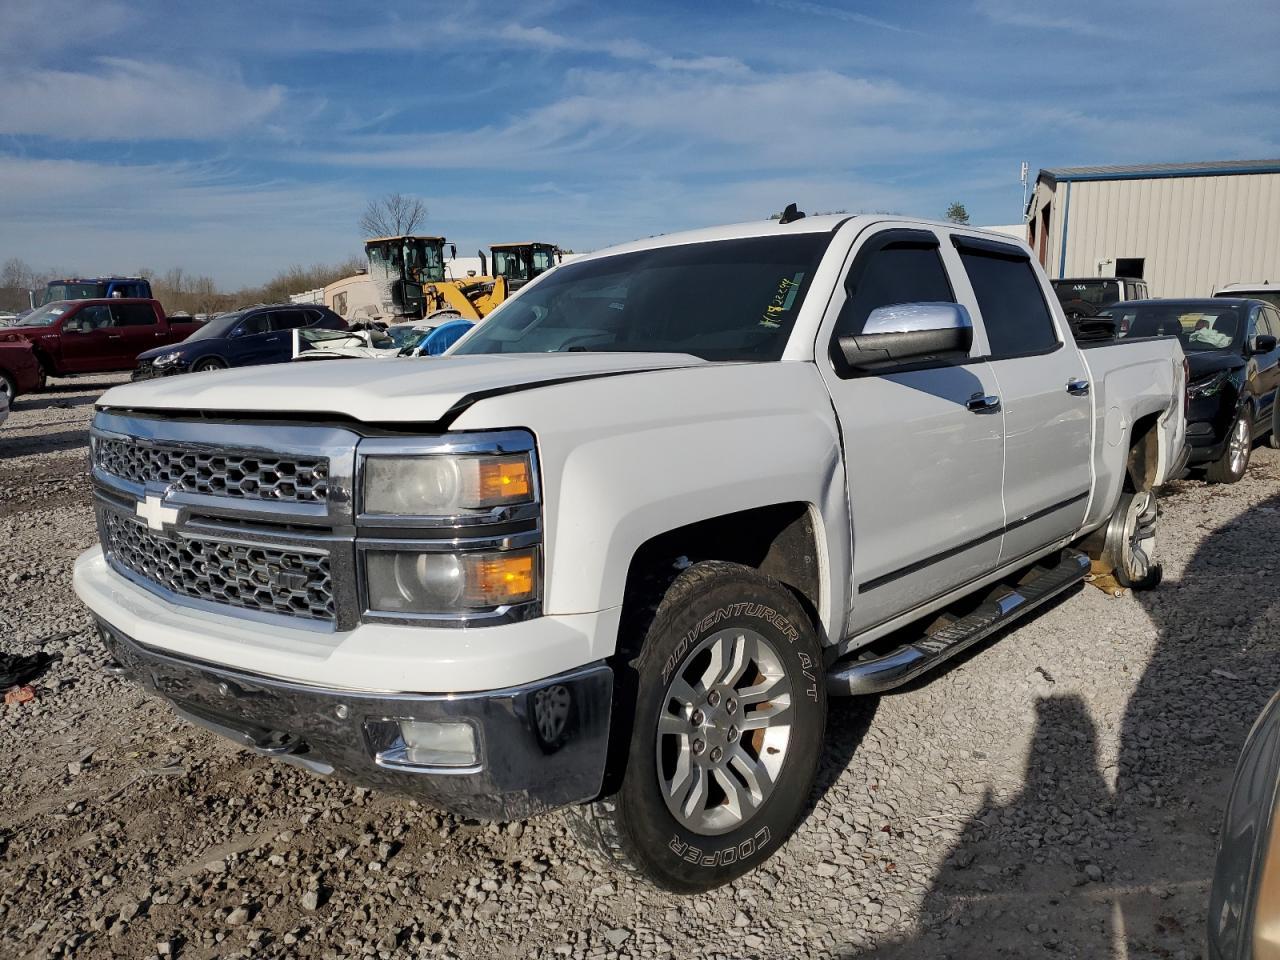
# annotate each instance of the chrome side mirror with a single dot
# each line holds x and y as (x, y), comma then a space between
(909, 333)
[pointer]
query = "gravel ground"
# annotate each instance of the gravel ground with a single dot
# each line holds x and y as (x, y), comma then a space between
(1055, 792)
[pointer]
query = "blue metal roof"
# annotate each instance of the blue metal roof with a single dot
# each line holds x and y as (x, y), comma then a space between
(1156, 171)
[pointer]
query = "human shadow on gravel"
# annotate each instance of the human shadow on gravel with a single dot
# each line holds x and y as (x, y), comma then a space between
(1070, 868)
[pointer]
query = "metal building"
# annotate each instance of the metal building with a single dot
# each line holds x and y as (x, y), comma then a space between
(1186, 228)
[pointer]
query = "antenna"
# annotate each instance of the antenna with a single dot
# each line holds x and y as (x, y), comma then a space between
(1025, 170)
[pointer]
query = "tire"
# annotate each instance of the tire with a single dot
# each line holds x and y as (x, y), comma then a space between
(1273, 438)
(9, 387)
(1131, 541)
(208, 364)
(1233, 463)
(737, 794)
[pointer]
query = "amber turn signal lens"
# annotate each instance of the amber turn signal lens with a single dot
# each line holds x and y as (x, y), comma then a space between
(504, 481)
(496, 579)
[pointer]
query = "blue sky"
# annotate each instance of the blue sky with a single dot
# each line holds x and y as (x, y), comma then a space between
(234, 139)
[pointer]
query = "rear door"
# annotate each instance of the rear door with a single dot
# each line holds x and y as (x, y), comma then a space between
(924, 469)
(138, 327)
(1043, 386)
(89, 340)
(283, 323)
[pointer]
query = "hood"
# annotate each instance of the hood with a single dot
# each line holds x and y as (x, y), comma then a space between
(403, 390)
(1202, 363)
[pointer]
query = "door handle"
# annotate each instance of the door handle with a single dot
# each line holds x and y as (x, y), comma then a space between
(114, 336)
(980, 403)
(1078, 388)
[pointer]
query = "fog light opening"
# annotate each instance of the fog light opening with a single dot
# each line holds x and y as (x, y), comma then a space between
(423, 744)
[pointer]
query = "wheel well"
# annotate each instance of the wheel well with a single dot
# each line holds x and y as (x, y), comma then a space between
(1144, 454)
(779, 541)
(45, 361)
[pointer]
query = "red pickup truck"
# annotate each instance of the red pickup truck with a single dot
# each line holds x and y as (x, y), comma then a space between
(19, 370)
(94, 336)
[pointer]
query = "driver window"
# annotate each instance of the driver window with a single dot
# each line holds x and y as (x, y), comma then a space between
(902, 271)
(96, 317)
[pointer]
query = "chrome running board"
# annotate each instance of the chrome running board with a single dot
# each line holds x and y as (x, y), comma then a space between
(1005, 603)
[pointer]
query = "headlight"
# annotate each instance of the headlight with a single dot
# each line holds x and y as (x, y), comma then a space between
(1210, 386)
(167, 359)
(418, 582)
(440, 485)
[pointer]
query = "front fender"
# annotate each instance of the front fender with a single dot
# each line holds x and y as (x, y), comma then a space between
(627, 458)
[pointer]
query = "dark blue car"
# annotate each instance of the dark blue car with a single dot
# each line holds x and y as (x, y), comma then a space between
(244, 338)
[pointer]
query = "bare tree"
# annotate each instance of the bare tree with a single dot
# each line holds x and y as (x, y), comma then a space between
(395, 215)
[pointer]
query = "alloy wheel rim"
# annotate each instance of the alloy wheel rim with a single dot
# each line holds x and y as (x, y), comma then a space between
(1240, 445)
(723, 731)
(1140, 542)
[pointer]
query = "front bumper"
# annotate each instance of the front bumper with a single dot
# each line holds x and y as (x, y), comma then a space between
(532, 757)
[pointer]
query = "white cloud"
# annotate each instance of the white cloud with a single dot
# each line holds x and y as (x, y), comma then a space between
(132, 100)
(829, 11)
(207, 218)
(1034, 15)
(640, 121)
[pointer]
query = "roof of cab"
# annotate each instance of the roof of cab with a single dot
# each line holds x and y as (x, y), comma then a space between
(825, 223)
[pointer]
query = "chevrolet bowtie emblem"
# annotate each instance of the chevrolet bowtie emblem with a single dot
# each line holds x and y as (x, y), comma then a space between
(157, 515)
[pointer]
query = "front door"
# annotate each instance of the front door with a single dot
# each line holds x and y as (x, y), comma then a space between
(1044, 390)
(924, 468)
(252, 341)
(89, 341)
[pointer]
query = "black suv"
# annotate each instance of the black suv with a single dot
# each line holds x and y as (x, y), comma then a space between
(1231, 348)
(262, 334)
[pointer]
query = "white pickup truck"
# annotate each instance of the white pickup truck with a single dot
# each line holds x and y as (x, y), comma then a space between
(615, 550)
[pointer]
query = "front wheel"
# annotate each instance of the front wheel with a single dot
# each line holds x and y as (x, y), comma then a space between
(1230, 467)
(208, 364)
(8, 389)
(727, 733)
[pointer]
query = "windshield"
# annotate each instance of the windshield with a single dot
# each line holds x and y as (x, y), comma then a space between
(43, 316)
(217, 327)
(74, 291)
(1095, 293)
(724, 300)
(1267, 296)
(1200, 326)
(403, 335)
(509, 264)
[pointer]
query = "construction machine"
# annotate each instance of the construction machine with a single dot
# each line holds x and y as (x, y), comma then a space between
(514, 265)
(406, 280)
(391, 289)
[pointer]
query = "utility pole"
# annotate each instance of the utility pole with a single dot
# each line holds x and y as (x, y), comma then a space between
(1025, 170)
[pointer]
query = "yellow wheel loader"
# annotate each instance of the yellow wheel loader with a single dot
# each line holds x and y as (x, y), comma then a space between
(514, 265)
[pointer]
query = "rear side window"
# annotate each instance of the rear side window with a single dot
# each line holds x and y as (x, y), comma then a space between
(133, 315)
(289, 319)
(1013, 308)
(909, 270)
